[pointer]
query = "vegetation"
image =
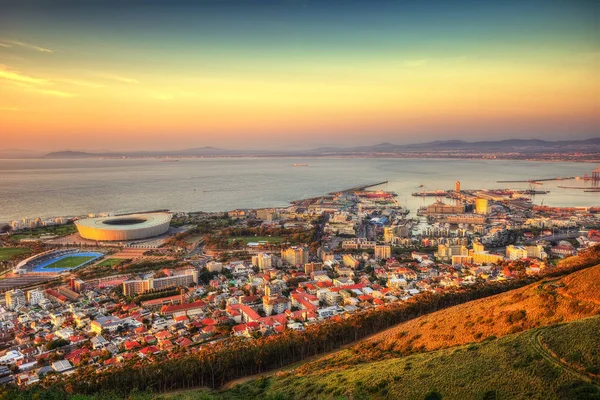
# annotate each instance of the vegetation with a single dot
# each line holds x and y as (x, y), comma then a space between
(547, 302)
(582, 354)
(110, 262)
(6, 253)
(506, 368)
(54, 230)
(250, 239)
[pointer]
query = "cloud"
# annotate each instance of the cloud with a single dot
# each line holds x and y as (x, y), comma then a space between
(11, 43)
(52, 92)
(81, 83)
(120, 78)
(9, 108)
(16, 76)
(415, 63)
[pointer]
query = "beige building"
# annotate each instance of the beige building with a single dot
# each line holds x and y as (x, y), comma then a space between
(445, 253)
(520, 252)
(383, 252)
(295, 255)
(349, 261)
(185, 279)
(311, 267)
(262, 261)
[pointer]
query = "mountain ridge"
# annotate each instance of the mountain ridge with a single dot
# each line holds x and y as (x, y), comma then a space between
(437, 146)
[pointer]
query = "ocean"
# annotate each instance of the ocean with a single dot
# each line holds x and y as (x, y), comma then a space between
(48, 188)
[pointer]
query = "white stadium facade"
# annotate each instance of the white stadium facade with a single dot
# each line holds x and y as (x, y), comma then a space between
(124, 227)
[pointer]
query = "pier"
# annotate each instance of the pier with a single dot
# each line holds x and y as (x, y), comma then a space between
(560, 178)
(359, 188)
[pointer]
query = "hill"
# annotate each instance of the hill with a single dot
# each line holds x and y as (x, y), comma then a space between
(513, 367)
(543, 303)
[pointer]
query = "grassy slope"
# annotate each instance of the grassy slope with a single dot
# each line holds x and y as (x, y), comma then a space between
(544, 303)
(510, 367)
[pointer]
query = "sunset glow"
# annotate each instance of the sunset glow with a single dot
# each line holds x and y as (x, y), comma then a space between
(235, 74)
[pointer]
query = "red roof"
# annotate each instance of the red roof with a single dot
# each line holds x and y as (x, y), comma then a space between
(182, 307)
(131, 344)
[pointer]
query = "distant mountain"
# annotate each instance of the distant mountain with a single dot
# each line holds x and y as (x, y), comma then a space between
(528, 146)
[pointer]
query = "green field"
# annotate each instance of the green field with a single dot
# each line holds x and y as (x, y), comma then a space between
(250, 239)
(58, 230)
(7, 253)
(110, 262)
(512, 367)
(69, 262)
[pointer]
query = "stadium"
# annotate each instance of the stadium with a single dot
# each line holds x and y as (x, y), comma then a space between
(124, 227)
(56, 261)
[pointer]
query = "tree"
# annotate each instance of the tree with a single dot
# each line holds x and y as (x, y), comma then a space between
(433, 395)
(5, 228)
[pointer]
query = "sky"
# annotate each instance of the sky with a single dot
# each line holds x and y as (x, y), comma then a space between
(147, 75)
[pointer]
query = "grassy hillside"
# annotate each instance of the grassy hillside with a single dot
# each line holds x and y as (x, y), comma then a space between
(512, 367)
(543, 303)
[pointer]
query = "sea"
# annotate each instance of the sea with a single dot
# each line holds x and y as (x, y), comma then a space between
(48, 188)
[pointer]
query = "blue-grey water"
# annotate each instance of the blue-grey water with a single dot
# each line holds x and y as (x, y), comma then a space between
(75, 187)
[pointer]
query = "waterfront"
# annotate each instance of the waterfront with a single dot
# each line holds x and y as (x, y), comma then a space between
(73, 187)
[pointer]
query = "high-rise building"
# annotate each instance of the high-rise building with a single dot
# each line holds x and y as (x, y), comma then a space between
(295, 255)
(383, 252)
(35, 297)
(388, 234)
(457, 186)
(15, 299)
(262, 261)
(481, 206)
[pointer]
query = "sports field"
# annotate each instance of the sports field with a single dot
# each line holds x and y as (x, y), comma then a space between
(67, 262)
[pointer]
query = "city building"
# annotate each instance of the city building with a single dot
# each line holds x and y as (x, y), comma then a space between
(295, 255)
(349, 261)
(383, 252)
(139, 286)
(35, 297)
(481, 206)
(15, 299)
(520, 252)
(262, 261)
(311, 267)
(442, 208)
